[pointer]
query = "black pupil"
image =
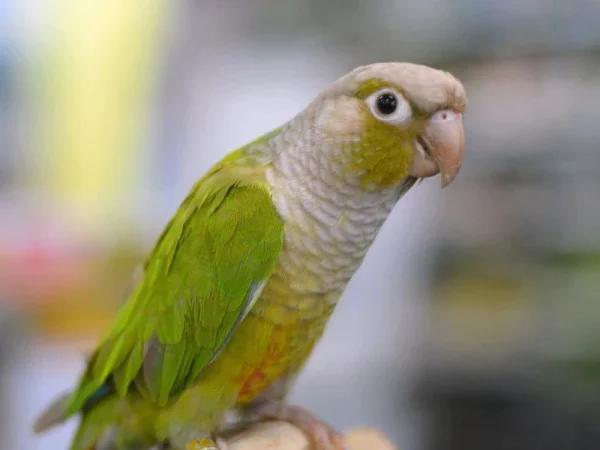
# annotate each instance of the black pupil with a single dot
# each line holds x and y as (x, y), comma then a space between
(387, 103)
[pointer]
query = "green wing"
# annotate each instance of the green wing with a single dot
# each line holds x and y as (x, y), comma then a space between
(200, 281)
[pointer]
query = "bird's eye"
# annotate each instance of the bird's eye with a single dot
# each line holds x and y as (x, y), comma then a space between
(387, 103)
(389, 106)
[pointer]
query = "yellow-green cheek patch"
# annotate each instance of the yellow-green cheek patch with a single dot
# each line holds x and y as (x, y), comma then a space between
(383, 156)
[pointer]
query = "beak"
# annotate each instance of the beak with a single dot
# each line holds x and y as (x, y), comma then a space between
(445, 136)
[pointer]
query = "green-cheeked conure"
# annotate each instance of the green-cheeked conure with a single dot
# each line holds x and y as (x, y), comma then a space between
(239, 287)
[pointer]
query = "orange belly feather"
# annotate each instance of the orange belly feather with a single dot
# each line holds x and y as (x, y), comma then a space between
(273, 365)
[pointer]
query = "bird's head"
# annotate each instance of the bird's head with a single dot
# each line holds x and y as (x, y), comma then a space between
(393, 121)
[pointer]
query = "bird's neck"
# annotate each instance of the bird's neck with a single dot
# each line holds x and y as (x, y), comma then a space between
(329, 223)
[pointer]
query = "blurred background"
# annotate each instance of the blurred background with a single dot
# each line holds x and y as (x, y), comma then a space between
(474, 321)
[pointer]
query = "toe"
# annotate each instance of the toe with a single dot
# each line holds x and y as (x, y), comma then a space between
(221, 444)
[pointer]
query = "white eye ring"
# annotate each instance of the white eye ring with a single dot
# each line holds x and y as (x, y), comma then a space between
(381, 105)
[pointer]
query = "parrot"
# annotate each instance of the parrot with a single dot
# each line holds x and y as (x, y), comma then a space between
(238, 289)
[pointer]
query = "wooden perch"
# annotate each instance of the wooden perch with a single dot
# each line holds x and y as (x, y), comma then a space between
(283, 436)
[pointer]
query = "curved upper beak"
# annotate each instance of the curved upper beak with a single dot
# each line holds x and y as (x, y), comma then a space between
(445, 134)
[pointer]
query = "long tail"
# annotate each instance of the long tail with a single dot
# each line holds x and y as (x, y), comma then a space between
(105, 419)
(54, 415)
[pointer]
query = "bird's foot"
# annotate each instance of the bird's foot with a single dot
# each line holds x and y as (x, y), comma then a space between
(221, 444)
(322, 435)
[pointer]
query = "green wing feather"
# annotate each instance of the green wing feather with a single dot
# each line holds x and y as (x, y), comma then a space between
(200, 281)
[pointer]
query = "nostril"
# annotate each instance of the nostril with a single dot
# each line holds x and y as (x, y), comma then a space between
(445, 115)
